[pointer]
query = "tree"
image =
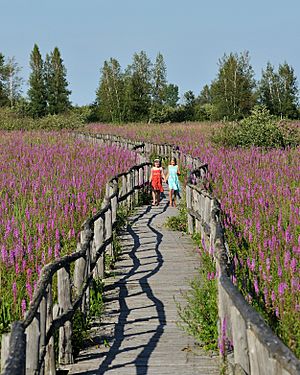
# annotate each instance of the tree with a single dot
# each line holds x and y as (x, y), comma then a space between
(205, 96)
(57, 91)
(37, 89)
(159, 73)
(278, 91)
(232, 91)
(110, 94)
(189, 104)
(14, 81)
(171, 95)
(269, 90)
(138, 87)
(3, 79)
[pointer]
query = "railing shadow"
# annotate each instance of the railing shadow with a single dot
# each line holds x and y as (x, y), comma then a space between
(147, 348)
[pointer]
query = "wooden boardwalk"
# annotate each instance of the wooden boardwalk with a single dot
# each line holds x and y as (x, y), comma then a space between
(138, 333)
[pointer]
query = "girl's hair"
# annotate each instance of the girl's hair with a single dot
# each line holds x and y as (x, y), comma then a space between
(174, 159)
(156, 161)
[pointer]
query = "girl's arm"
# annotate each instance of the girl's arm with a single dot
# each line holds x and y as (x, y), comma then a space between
(178, 170)
(167, 175)
(163, 175)
(150, 178)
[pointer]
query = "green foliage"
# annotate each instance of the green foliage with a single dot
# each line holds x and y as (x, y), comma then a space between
(138, 87)
(200, 315)
(79, 331)
(96, 299)
(37, 88)
(57, 93)
(3, 80)
(232, 91)
(110, 94)
(10, 120)
(164, 113)
(260, 129)
(278, 91)
(171, 95)
(159, 74)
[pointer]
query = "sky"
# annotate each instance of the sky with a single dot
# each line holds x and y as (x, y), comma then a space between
(192, 35)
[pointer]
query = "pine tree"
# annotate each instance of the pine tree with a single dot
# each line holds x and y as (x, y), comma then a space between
(232, 91)
(37, 89)
(56, 83)
(110, 94)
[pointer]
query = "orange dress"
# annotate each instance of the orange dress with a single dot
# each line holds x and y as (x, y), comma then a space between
(156, 181)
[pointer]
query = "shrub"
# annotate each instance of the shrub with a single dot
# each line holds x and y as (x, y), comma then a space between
(260, 129)
(10, 120)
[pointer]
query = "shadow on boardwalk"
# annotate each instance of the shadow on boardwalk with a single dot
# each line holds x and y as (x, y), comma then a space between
(140, 320)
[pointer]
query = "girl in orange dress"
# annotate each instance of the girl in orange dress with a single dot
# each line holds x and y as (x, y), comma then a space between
(156, 178)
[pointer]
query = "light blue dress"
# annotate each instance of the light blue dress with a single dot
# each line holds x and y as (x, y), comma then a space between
(173, 181)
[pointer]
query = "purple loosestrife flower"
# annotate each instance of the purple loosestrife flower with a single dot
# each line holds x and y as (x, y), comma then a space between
(23, 307)
(256, 288)
(14, 289)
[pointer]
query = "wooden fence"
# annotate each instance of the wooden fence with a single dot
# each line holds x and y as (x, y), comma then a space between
(256, 349)
(29, 347)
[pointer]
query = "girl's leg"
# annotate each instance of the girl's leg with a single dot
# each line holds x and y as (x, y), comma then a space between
(170, 197)
(157, 197)
(175, 193)
(153, 197)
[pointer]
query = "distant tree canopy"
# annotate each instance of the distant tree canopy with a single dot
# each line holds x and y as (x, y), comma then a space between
(141, 91)
(48, 87)
(278, 91)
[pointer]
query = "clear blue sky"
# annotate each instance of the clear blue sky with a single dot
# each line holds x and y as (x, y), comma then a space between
(191, 34)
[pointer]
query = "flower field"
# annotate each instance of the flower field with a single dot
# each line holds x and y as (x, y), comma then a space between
(49, 184)
(260, 196)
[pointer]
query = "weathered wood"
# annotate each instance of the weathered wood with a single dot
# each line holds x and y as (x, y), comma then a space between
(129, 187)
(4, 348)
(65, 355)
(43, 318)
(50, 365)
(136, 184)
(33, 346)
(190, 219)
(108, 231)
(16, 361)
(99, 235)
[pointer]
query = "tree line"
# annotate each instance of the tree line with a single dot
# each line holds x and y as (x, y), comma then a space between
(141, 92)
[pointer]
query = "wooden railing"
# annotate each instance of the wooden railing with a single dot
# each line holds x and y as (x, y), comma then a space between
(29, 348)
(256, 349)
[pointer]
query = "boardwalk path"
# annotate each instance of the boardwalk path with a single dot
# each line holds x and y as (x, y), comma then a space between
(140, 319)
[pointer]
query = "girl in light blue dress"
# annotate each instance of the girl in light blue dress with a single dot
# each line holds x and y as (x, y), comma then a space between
(173, 181)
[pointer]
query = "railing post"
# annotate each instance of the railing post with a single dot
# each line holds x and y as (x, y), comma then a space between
(189, 206)
(33, 346)
(50, 365)
(136, 184)
(4, 348)
(65, 356)
(108, 231)
(99, 226)
(43, 318)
